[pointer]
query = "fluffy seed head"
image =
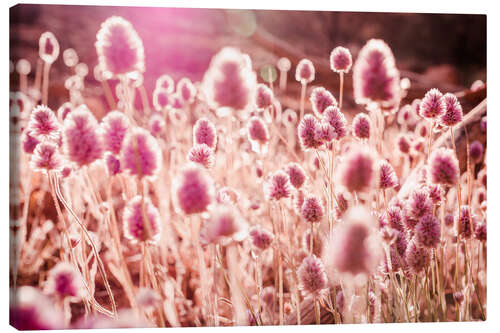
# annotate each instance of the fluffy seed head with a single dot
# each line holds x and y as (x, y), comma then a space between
(361, 126)
(30, 309)
(312, 275)
(119, 48)
(375, 76)
(141, 154)
(432, 105)
(114, 128)
(261, 238)
(48, 47)
(403, 143)
(263, 97)
(476, 151)
(230, 81)
(428, 231)
(387, 176)
(135, 228)
(43, 124)
(29, 142)
(82, 142)
(112, 164)
(340, 60)
(443, 167)
(435, 193)
(357, 171)
(480, 232)
(225, 224)
(64, 110)
(417, 258)
(193, 190)
(257, 130)
(186, 90)
(65, 281)
(337, 120)
(453, 110)
(464, 224)
(284, 64)
(419, 203)
(296, 173)
(161, 99)
(353, 248)
(204, 132)
(324, 132)
(278, 186)
(305, 71)
(165, 83)
(46, 157)
(157, 124)
(202, 154)
(312, 209)
(307, 132)
(23, 67)
(321, 99)
(394, 216)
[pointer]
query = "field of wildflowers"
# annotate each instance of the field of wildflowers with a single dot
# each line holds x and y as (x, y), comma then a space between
(216, 203)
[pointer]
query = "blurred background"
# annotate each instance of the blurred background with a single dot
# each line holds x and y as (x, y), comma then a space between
(443, 50)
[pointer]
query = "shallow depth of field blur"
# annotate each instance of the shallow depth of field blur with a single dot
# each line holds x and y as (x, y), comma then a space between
(193, 167)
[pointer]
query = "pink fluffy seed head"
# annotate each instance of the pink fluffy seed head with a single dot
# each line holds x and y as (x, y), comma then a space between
(387, 176)
(202, 154)
(307, 133)
(204, 133)
(403, 144)
(476, 151)
(340, 60)
(261, 238)
(43, 124)
(46, 157)
(432, 105)
(257, 130)
(435, 193)
(278, 186)
(357, 171)
(312, 276)
(48, 47)
(29, 142)
(141, 155)
(337, 121)
(296, 173)
(230, 81)
(422, 129)
(361, 125)
(453, 110)
(165, 83)
(157, 125)
(115, 126)
(305, 71)
(263, 97)
(428, 231)
(418, 258)
(135, 217)
(186, 90)
(64, 110)
(324, 132)
(321, 99)
(112, 164)
(480, 232)
(193, 190)
(443, 167)
(449, 219)
(312, 209)
(464, 222)
(353, 247)
(375, 76)
(419, 203)
(119, 48)
(161, 99)
(394, 216)
(65, 281)
(224, 224)
(82, 142)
